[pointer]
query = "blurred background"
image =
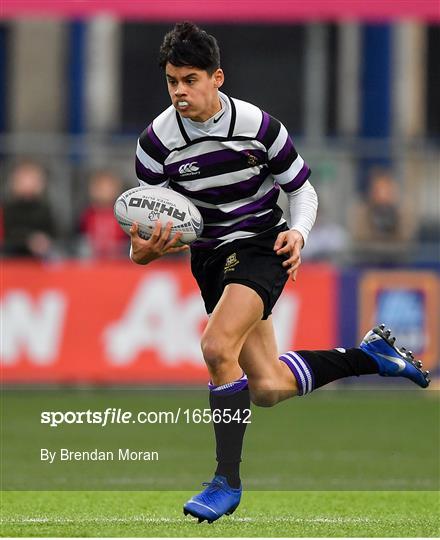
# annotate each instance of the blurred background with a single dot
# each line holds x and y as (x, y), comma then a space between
(356, 84)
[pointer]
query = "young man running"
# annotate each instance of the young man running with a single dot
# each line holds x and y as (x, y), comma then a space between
(230, 158)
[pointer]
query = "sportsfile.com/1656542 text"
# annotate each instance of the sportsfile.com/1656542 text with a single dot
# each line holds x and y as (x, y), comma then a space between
(113, 415)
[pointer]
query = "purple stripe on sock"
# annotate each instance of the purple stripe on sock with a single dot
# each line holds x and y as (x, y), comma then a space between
(229, 388)
(309, 368)
(293, 357)
(295, 372)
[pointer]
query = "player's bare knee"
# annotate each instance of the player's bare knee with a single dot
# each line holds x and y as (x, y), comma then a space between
(214, 353)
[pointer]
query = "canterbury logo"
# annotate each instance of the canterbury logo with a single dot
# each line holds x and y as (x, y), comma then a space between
(189, 168)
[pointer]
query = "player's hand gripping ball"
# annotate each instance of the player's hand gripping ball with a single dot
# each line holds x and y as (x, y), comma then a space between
(147, 205)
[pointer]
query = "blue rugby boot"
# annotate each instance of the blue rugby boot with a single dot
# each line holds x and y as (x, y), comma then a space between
(216, 500)
(391, 361)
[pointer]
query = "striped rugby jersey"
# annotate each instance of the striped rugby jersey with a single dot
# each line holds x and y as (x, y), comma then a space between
(231, 167)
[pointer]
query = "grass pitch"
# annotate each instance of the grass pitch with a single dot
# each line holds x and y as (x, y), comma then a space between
(353, 463)
(261, 514)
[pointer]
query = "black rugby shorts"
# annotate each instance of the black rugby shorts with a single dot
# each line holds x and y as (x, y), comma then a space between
(250, 261)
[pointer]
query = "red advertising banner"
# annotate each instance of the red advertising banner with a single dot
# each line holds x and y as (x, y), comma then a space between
(122, 323)
(277, 11)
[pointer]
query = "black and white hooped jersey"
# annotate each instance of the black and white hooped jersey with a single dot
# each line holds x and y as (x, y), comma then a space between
(231, 167)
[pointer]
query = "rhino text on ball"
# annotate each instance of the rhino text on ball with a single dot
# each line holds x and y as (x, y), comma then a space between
(158, 207)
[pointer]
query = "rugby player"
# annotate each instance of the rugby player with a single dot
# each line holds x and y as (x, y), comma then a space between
(231, 159)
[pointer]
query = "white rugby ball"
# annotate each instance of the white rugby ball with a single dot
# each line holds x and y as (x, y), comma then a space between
(147, 205)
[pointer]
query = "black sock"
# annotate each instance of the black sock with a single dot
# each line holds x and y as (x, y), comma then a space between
(229, 435)
(313, 369)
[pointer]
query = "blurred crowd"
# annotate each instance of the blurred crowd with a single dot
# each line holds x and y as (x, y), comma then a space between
(379, 226)
(28, 225)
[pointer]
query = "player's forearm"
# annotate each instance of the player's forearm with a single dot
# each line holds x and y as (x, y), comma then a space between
(303, 205)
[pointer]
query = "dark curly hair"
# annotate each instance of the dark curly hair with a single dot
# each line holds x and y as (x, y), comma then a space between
(188, 45)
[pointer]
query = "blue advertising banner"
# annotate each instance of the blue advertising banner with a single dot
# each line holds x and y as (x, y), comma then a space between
(407, 302)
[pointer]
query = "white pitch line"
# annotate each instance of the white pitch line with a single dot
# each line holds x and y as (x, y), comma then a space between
(60, 520)
(181, 520)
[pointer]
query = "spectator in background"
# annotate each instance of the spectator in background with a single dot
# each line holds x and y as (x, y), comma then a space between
(28, 224)
(381, 225)
(101, 235)
(329, 240)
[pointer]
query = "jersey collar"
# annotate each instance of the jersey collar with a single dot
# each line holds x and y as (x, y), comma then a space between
(219, 125)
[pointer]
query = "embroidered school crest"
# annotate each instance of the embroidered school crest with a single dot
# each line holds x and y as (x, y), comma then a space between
(252, 160)
(231, 262)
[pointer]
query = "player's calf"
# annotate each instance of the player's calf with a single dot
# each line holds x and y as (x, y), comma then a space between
(264, 397)
(267, 392)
